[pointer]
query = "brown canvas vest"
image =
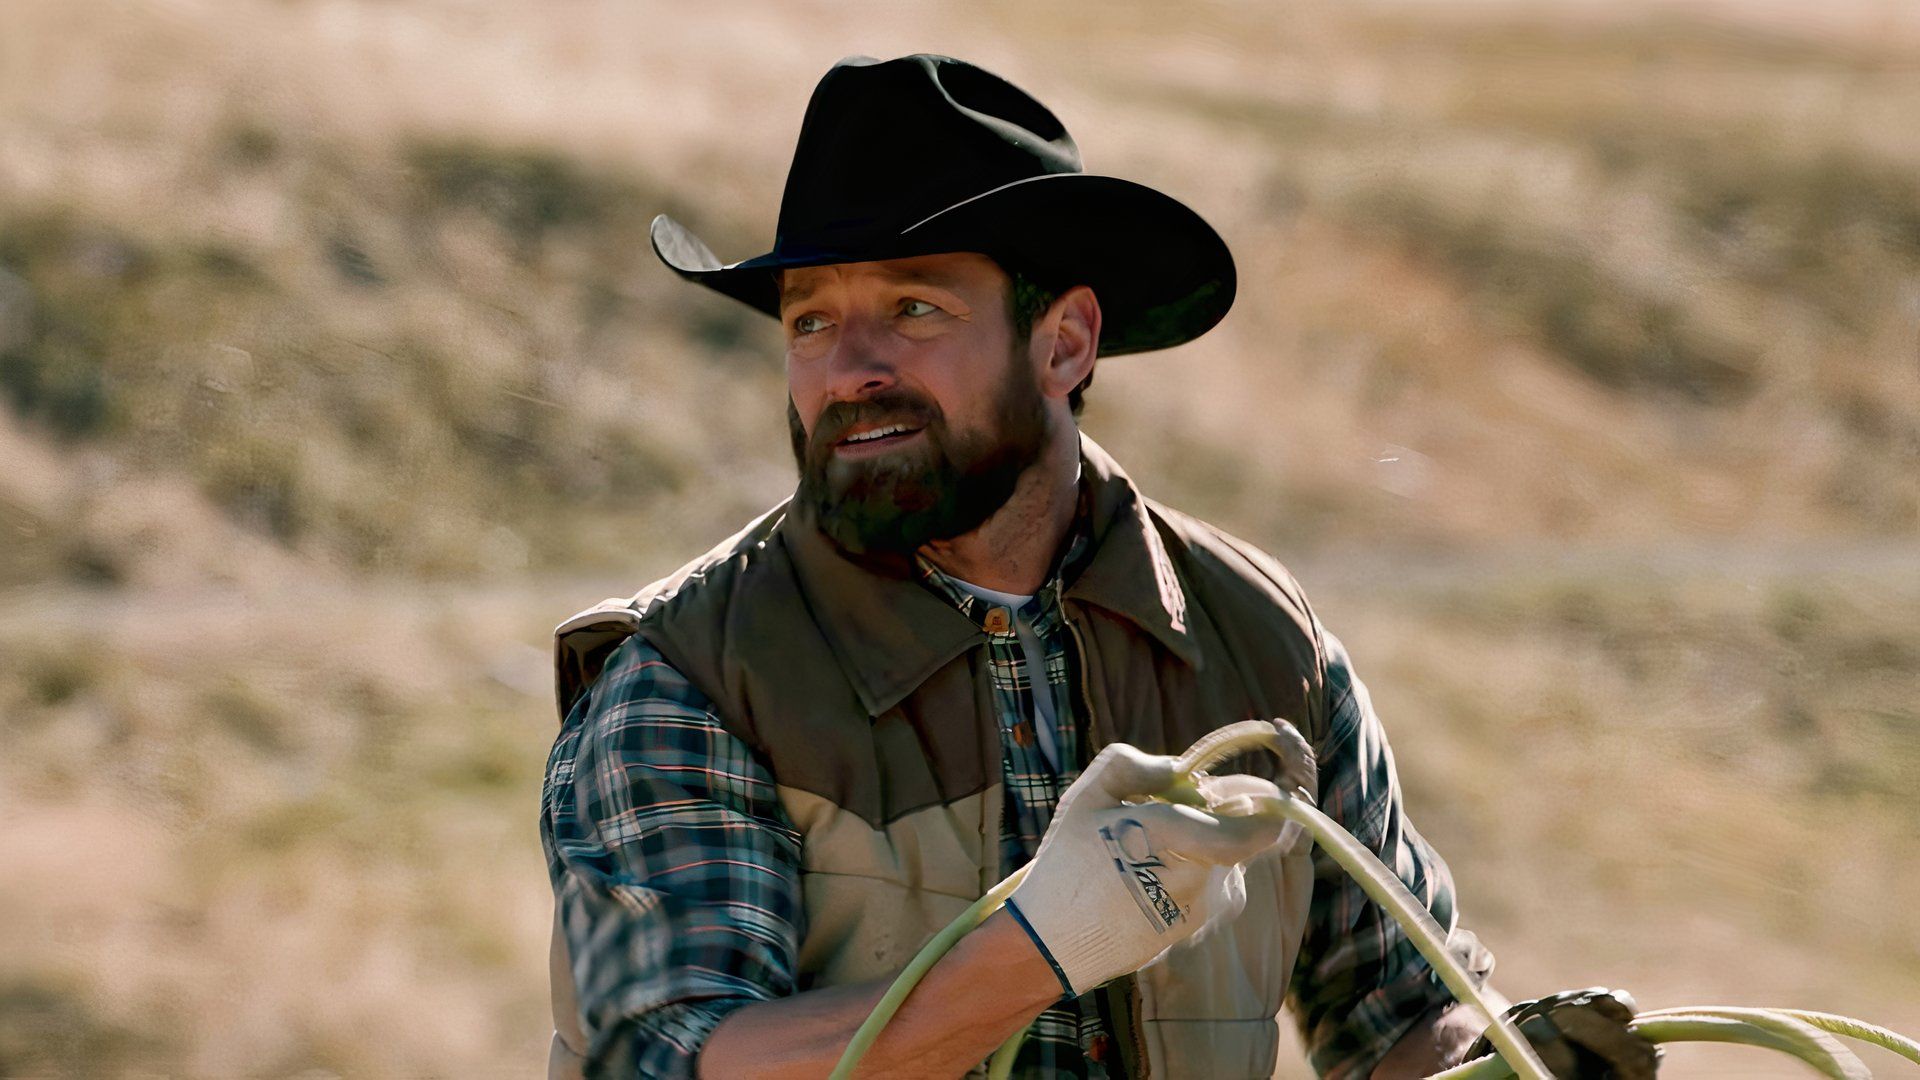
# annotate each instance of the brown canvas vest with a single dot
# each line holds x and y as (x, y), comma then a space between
(868, 698)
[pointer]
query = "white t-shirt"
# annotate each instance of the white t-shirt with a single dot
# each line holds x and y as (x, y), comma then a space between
(1043, 720)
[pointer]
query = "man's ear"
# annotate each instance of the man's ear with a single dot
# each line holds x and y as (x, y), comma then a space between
(1070, 332)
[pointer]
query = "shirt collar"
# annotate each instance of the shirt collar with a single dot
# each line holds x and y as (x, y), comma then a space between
(1043, 609)
(891, 629)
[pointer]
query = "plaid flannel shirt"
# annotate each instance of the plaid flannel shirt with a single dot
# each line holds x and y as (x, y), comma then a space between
(677, 871)
(1069, 1038)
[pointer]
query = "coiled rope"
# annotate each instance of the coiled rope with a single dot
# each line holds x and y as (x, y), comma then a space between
(1806, 1035)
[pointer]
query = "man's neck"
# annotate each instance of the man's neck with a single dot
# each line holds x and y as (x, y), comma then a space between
(1012, 551)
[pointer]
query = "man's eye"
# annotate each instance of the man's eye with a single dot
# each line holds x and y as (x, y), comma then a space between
(917, 308)
(809, 324)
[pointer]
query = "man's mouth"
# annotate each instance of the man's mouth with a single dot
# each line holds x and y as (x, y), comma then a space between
(874, 439)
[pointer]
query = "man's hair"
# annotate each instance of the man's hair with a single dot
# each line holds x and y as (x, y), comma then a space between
(1027, 300)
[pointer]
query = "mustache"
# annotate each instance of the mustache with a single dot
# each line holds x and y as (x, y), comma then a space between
(897, 406)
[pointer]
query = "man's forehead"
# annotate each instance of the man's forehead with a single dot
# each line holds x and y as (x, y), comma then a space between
(951, 269)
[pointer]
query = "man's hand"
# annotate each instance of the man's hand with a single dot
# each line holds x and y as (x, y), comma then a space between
(1582, 1035)
(1114, 886)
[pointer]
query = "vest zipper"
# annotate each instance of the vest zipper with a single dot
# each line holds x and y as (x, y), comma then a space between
(1085, 680)
(1123, 996)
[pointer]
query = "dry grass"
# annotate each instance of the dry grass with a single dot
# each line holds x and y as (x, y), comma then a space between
(1698, 784)
(1574, 365)
(319, 854)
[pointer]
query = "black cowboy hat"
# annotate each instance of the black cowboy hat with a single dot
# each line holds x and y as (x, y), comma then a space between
(928, 154)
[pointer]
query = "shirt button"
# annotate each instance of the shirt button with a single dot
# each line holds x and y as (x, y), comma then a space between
(999, 619)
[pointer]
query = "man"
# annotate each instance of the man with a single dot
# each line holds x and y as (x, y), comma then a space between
(783, 767)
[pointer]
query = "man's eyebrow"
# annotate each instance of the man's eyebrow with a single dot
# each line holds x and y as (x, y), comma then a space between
(794, 294)
(923, 277)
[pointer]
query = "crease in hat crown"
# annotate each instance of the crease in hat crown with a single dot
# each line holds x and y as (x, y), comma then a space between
(927, 153)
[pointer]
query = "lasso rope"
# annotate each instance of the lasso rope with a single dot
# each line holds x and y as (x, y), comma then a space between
(1806, 1035)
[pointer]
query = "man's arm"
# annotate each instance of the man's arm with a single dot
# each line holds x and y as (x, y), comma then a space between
(992, 984)
(1366, 1001)
(674, 868)
(1435, 1042)
(676, 876)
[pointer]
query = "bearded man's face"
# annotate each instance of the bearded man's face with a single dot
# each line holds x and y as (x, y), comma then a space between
(936, 486)
(912, 411)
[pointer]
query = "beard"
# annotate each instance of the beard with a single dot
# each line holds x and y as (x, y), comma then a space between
(944, 485)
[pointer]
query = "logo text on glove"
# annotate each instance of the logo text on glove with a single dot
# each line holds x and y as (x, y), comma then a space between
(1133, 857)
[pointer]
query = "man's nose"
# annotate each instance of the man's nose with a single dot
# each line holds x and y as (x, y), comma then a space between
(859, 365)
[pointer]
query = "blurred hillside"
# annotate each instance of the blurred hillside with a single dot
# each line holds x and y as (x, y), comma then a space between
(1575, 369)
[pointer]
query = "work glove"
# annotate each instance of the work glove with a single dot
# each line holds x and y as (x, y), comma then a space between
(1582, 1035)
(1116, 884)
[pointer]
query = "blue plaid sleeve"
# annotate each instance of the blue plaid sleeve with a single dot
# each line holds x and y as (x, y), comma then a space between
(1360, 984)
(675, 869)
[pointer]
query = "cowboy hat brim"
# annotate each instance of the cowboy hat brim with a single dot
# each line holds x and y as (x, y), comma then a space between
(1163, 276)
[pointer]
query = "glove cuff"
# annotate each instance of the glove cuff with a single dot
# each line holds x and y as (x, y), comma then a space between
(1013, 909)
(1085, 954)
(1483, 1045)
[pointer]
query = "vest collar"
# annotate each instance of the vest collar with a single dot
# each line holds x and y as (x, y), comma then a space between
(891, 633)
(1129, 572)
